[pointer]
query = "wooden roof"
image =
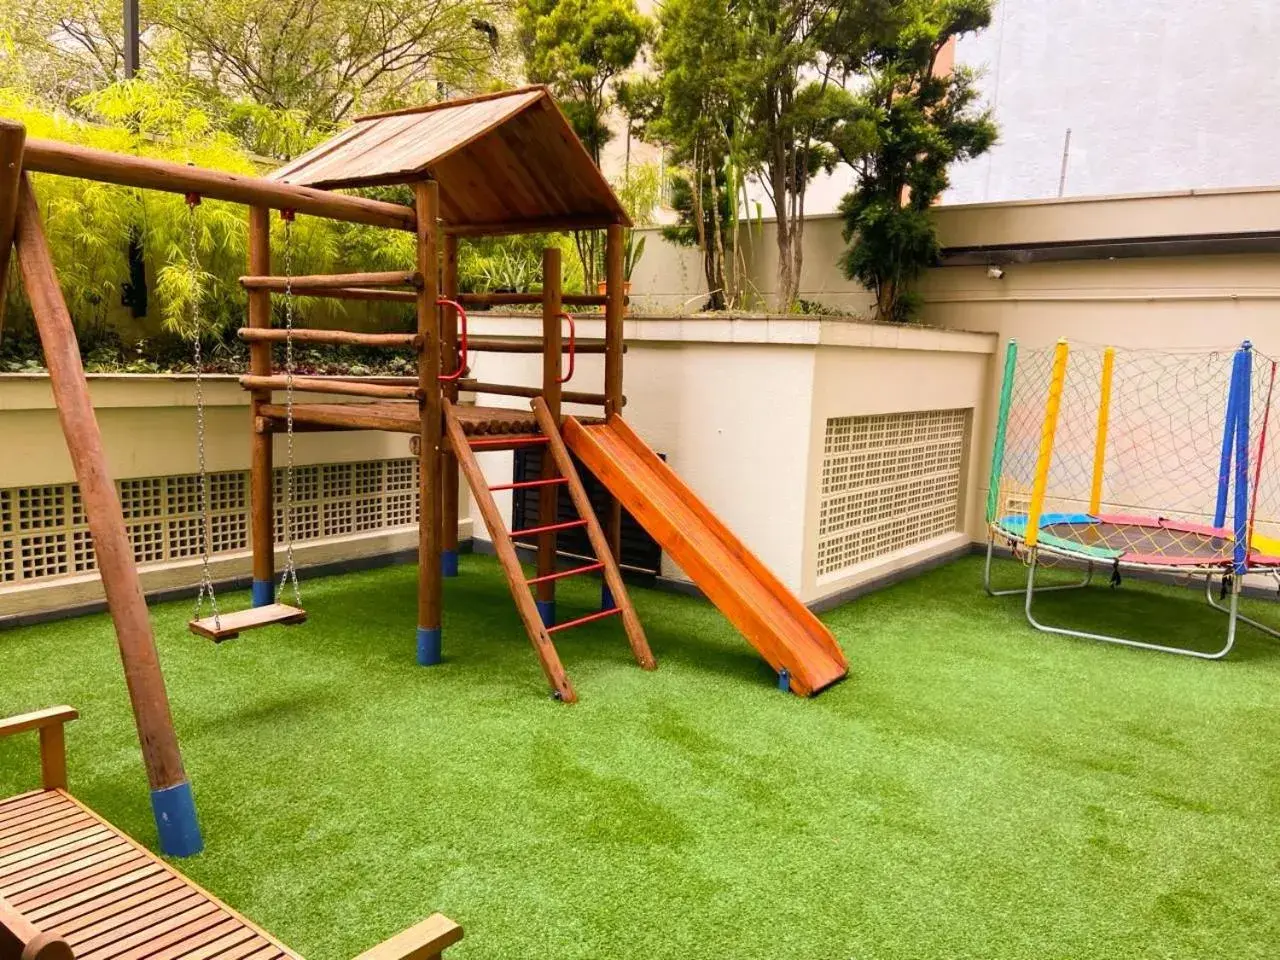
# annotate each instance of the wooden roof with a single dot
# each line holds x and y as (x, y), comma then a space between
(503, 161)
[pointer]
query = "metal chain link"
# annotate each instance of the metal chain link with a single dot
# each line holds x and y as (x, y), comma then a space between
(290, 576)
(206, 518)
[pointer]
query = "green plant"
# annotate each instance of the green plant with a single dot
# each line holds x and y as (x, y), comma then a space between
(900, 133)
(632, 251)
(579, 48)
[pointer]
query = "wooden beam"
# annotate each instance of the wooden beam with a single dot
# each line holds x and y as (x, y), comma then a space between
(262, 453)
(426, 197)
(341, 416)
(513, 390)
(448, 462)
(390, 341)
(72, 160)
(335, 281)
(357, 293)
(335, 385)
(614, 314)
(541, 225)
(529, 345)
(511, 299)
(456, 102)
(423, 941)
(12, 137)
(119, 574)
(549, 495)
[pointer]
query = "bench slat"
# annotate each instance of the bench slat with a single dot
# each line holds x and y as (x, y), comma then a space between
(150, 909)
(78, 916)
(89, 834)
(228, 946)
(59, 857)
(88, 886)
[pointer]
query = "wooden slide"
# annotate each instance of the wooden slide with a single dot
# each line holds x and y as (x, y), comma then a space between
(773, 620)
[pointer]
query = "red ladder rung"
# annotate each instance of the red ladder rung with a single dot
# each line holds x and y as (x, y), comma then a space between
(561, 574)
(510, 440)
(548, 528)
(598, 615)
(525, 484)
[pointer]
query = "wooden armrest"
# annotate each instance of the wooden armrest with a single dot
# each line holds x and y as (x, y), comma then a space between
(37, 720)
(20, 939)
(53, 742)
(422, 941)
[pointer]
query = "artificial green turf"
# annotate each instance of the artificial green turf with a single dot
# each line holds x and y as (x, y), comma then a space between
(975, 789)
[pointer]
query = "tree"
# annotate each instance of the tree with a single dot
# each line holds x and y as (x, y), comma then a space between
(694, 108)
(580, 48)
(902, 130)
(316, 62)
(792, 100)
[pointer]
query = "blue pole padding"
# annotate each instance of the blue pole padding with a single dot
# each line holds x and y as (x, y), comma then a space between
(264, 593)
(547, 611)
(1245, 359)
(784, 680)
(176, 821)
(448, 563)
(1228, 440)
(606, 597)
(430, 646)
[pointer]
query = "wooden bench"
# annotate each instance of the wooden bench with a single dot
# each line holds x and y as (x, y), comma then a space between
(73, 886)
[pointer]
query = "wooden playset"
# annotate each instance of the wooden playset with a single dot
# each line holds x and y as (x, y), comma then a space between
(73, 886)
(492, 165)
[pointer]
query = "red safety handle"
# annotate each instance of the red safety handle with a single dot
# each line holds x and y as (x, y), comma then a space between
(462, 340)
(573, 348)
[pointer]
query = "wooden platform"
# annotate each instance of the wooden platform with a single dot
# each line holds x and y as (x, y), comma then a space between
(71, 873)
(228, 625)
(402, 417)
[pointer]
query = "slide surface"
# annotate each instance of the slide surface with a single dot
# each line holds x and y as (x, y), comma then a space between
(756, 602)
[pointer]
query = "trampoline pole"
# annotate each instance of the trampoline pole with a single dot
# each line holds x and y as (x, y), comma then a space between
(1228, 439)
(1104, 415)
(1002, 426)
(1244, 359)
(1045, 456)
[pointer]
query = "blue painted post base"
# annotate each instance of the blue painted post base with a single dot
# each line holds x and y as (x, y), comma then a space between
(176, 821)
(547, 611)
(606, 597)
(264, 593)
(430, 646)
(448, 563)
(784, 680)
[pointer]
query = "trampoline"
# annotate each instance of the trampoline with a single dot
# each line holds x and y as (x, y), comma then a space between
(1149, 461)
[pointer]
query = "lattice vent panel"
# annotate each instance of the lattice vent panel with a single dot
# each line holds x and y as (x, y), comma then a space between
(44, 532)
(888, 482)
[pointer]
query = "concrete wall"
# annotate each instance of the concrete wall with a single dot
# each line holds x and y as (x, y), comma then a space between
(738, 406)
(148, 426)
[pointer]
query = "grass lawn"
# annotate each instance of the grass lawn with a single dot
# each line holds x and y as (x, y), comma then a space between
(975, 789)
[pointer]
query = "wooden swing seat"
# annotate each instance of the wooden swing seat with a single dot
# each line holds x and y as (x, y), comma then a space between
(230, 625)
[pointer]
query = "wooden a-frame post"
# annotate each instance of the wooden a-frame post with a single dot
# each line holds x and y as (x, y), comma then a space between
(171, 798)
(431, 412)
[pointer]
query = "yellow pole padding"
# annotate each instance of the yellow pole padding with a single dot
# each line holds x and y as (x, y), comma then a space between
(1104, 414)
(1046, 441)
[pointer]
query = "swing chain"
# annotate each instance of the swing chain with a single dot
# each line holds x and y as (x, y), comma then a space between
(290, 576)
(203, 495)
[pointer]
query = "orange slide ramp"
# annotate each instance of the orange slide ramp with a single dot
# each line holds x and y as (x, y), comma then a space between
(756, 602)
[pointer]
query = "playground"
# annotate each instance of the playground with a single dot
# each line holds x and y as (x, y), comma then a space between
(977, 787)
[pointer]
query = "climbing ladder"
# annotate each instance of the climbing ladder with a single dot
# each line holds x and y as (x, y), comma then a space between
(564, 474)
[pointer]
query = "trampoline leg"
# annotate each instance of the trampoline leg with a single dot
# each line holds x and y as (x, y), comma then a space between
(1232, 612)
(1018, 591)
(1105, 638)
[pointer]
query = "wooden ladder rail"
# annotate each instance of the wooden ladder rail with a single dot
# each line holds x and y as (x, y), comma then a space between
(505, 548)
(605, 560)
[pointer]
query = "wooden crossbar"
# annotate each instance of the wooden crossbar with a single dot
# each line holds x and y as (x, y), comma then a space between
(391, 341)
(335, 281)
(513, 299)
(527, 345)
(513, 390)
(348, 388)
(73, 160)
(354, 293)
